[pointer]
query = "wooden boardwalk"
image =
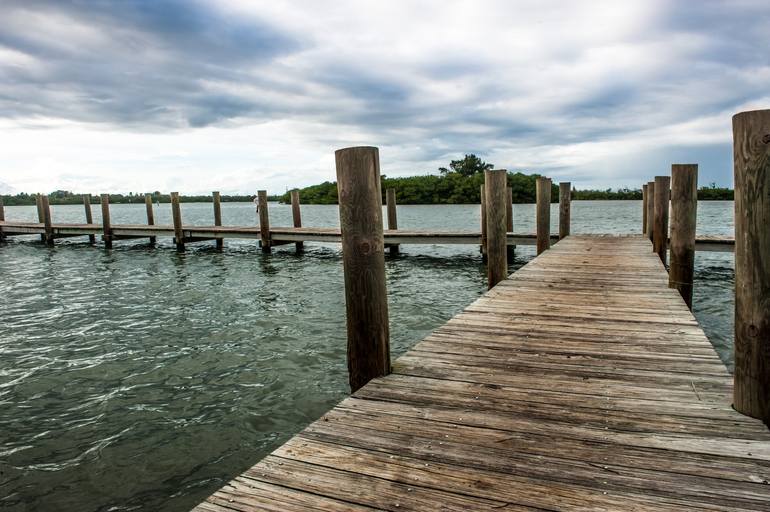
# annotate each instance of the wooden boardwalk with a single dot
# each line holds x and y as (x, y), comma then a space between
(582, 382)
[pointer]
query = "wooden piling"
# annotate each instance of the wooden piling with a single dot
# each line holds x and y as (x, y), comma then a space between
(496, 192)
(176, 215)
(89, 215)
(2, 217)
(264, 220)
(645, 197)
(296, 216)
(363, 258)
(751, 155)
(483, 201)
(47, 220)
(660, 216)
(390, 199)
(217, 199)
(684, 208)
(543, 214)
(40, 214)
(509, 249)
(565, 204)
(106, 226)
(650, 208)
(150, 215)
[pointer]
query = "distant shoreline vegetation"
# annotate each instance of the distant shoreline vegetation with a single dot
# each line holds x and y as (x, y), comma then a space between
(60, 197)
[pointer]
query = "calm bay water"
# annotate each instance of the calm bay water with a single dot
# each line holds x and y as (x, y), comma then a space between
(144, 379)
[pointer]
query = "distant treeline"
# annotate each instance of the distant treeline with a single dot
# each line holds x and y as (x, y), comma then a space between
(67, 197)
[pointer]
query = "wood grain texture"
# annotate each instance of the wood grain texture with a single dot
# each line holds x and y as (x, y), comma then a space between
(40, 214)
(363, 261)
(580, 382)
(483, 201)
(217, 201)
(650, 208)
(47, 222)
(509, 249)
(496, 194)
(296, 216)
(565, 203)
(264, 221)
(684, 210)
(104, 201)
(150, 215)
(390, 200)
(660, 217)
(543, 214)
(751, 154)
(645, 198)
(89, 216)
(176, 216)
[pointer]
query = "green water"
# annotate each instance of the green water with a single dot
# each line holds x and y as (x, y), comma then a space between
(144, 379)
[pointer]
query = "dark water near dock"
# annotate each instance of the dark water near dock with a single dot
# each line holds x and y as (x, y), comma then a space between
(143, 379)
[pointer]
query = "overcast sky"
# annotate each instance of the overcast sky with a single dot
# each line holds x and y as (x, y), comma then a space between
(99, 96)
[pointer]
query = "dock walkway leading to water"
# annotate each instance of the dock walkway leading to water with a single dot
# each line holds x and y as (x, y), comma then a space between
(580, 382)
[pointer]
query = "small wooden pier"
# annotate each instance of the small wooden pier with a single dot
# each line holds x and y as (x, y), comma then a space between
(581, 382)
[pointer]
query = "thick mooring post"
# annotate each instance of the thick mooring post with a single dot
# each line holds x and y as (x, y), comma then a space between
(264, 220)
(650, 208)
(390, 199)
(644, 209)
(296, 216)
(543, 214)
(176, 215)
(363, 258)
(565, 203)
(40, 214)
(106, 226)
(46, 208)
(483, 201)
(660, 216)
(684, 208)
(751, 155)
(217, 199)
(150, 214)
(495, 190)
(89, 215)
(509, 249)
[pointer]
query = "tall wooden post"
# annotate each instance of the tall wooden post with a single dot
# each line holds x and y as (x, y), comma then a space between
(684, 209)
(150, 214)
(89, 215)
(40, 214)
(217, 199)
(645, 198)
(650, 208)
(660, 217)
(47, 219)
(2, 217)
(543, 215)
(483, 201)
(264, 220)
(296, 216)
(565, 204)
(390, 199)
(496, 191)
(509, 249)
(106, 225)
(751, 155)
(363, 258)
(176, 215)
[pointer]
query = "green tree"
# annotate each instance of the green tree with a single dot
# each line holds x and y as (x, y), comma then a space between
(468, 166)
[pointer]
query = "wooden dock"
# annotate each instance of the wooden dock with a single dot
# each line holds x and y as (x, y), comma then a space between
(581, 382)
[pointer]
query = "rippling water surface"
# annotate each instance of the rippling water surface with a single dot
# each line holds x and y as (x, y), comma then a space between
(144, 379)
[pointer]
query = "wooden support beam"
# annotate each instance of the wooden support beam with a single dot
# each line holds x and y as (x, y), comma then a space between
(106, 225)
(217, 199)
(483, 201)
(48, 237)
(660, 217)
(89, 215)
(650, 208)
(363, 258)
(751, 155)
(176, 215)
(645, 198)
(565, 204)
(495, 189)
(684, 209)
(390, 199)
(543, 213)
(40, 214)
(509, 249)
(150, 214)
(296, 215)
(264, 220)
